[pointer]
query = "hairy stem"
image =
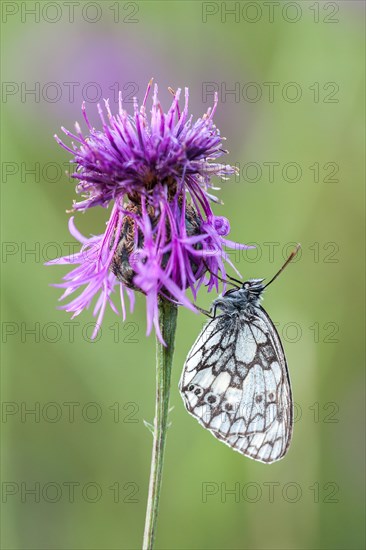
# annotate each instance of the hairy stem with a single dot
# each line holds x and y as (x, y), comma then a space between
(164, 359)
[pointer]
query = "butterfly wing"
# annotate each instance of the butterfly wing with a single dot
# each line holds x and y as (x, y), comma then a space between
(235, 382)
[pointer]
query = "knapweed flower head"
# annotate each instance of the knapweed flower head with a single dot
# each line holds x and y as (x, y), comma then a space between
(162, 236)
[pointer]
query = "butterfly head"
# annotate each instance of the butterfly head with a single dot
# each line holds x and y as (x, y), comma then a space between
(251, 291)
(239, 298)
(254, 286)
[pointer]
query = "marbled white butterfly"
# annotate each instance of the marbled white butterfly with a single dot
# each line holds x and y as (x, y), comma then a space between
(235, 380)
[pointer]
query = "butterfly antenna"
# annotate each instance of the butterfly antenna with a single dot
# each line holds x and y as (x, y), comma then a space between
(289, 259)
(224, 280)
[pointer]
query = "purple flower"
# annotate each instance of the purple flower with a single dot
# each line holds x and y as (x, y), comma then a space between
(162, 237)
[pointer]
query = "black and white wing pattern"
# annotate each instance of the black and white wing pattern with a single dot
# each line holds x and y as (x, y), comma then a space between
(235, 382)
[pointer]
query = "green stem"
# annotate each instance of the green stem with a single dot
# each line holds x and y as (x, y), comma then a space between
(164, 359)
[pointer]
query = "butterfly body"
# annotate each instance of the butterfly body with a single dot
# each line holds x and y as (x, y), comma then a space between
(235, 380)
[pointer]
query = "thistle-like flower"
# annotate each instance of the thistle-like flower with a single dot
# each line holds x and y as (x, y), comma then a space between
(162, 236)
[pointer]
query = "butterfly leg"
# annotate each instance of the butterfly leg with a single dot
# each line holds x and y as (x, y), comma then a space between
(214, 311)
(205, 312)
(225, 280)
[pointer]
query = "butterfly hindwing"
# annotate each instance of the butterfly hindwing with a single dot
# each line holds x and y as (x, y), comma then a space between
(235, 383)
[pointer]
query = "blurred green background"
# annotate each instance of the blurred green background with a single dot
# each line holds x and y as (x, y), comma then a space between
(75, 473)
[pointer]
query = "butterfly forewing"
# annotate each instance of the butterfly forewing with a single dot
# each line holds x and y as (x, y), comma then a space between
(236, 384)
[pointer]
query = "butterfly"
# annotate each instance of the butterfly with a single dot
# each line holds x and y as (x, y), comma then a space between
(235, 380)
